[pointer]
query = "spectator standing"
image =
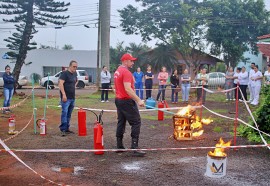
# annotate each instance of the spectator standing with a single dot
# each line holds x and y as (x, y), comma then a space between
(185, 79)
(267, 76)
(229, 83)
(125, 102)
(174, 79)
(251, 97)
(162, 77)
(67, 84)
(9, 82)
(149, 76)
(202, 81)
(105, 83)
(243, 81)
(138, 75)
(256, 82)
(236, 82)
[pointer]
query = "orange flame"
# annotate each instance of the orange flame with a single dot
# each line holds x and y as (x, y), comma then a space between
(219, 151)
(206, 121)
(199, 133)
(196, 125)
(184, 111)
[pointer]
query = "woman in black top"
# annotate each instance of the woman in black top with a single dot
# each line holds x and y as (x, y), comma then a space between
(149, 76)
(174, 84)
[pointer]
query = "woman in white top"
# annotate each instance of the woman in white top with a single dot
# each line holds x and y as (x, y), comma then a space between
(267, 76)
(243, 81)
(236, 81)
(256, 82)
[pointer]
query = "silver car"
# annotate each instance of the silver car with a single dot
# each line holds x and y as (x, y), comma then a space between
(23, 81)
(216, 79)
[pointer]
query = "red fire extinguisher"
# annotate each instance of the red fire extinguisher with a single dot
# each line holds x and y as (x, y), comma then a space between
(160, 113)
(98, 135)
(11, 125)
(82, 122)
(41, 123)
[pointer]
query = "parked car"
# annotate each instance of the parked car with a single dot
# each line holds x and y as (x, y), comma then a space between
(23, 81)
(53, 80)
(216, 79)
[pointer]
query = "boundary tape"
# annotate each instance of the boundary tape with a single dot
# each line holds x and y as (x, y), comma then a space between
(142, 149)
(7, 149)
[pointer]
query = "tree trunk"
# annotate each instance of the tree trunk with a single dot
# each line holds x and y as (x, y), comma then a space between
(24, 42)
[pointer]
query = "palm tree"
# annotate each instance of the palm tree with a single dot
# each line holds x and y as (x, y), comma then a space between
(163, 55)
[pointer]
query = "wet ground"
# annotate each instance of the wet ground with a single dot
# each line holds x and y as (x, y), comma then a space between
(246, 167)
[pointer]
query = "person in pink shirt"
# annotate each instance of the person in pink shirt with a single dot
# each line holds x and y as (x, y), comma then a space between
(162, 78)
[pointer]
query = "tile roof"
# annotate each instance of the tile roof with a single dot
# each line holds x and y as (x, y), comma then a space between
(264, 36)
(264, 49)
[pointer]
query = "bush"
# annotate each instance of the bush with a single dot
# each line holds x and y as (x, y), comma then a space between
(262, 117)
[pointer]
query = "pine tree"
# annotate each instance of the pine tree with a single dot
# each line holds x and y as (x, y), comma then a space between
(26, 15)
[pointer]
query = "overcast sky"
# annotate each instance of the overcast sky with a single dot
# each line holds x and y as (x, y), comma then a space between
(74, 33)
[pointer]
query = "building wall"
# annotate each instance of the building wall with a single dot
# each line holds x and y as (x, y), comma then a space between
(257, 59)
(53, 58)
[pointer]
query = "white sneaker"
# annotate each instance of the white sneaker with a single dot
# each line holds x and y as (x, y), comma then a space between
(102, 101)
(227, 100)
(240, 100)
(233, 99)
(107, 101)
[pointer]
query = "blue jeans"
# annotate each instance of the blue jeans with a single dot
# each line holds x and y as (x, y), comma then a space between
(67, 108)
(185, 91)
(174, 97)
(161, 90)
(8, 93)
(139, 89)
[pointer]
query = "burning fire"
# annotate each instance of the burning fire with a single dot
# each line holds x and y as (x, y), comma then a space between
(184, 111)
(196, 134)
(206, 121)
(219, 151)
(197, 123)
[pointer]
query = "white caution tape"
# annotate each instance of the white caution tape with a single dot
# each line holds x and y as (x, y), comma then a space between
(16, 157)
(253, 119)
(220, 115)
(130, 150)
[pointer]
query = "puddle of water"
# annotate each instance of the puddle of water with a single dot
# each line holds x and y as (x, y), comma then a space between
(132, 166)
(74, 170)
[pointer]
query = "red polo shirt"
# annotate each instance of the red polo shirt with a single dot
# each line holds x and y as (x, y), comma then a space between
(122, 75)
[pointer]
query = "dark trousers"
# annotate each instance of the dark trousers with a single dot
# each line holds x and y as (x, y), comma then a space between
(127, 110)
(244, 91)
(201, 94)
(148, 91)
(161, 90)
(104, 86)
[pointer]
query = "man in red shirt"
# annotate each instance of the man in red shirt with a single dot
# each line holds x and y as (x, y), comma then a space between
(125, 102)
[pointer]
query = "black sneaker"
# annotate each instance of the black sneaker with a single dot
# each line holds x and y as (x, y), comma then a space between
(70, 132)
(63, 133)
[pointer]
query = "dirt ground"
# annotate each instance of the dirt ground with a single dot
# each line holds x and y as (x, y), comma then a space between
(183, 167)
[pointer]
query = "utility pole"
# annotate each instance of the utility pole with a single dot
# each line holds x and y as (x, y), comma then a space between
(104, 15)
(98, 52)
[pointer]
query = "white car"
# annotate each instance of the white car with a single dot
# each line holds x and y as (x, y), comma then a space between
(53, 80)
(23, 81)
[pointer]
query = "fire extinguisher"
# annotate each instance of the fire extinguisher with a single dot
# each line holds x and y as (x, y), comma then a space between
(160, 113)
(41, 123)
(98, 135)
(82, 123)
(11, 125)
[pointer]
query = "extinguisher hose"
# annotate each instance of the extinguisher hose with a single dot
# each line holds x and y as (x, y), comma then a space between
(37, 123)
(94, 114)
